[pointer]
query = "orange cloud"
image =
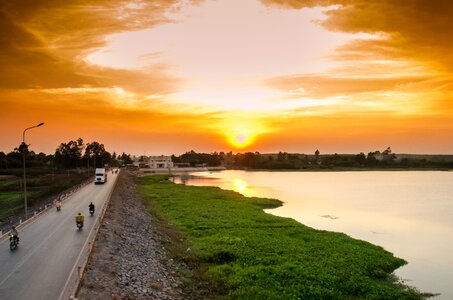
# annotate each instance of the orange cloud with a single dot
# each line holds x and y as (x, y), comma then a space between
(409, 57)
(43, 42)
(413, 30)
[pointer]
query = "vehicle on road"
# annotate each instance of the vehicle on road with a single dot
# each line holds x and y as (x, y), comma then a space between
(13, 238)
(58, 204)
(13, 242)
(79, 221)
(80, 225)
(100, 176)
(91, 208)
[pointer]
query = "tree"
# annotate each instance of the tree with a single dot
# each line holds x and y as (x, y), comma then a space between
(68, 155)
(250, 160)
(99, 154)
(361, 158)
(3, 161)
(126, 158)
(317, 155)
(387, 155)
(281, 156)
(371, 158)
(23, 147)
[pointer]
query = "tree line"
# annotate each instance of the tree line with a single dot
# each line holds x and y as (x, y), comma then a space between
(70, 155)
(294, 161)
(77, 154)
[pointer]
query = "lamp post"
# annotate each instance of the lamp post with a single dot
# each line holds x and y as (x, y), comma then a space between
(25, 176)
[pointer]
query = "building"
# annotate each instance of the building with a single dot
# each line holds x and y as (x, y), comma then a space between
(160, 162)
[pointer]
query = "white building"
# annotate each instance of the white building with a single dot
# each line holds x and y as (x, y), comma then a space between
(160, 162)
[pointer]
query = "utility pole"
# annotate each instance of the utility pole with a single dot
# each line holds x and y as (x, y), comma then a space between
(25, 175)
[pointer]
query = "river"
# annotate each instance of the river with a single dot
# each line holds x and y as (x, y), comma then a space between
(409, 213)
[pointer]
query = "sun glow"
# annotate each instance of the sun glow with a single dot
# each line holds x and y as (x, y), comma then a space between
(241, 132)
(241, 139)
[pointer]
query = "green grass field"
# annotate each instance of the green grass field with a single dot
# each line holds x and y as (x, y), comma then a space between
(245, 253)
(39, 187)
(9, 203)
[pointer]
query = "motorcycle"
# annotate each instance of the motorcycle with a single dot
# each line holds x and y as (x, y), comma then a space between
(79, 225)
(91, 212)
(58, 206)
(13, 242)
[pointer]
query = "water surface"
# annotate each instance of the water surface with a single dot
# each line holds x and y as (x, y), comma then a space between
(409, 213)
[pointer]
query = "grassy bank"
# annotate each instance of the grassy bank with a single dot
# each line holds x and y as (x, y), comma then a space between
(247, 254)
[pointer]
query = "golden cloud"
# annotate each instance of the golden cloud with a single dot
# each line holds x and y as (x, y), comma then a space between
(43, 42)
(416, 29)
(405, 68)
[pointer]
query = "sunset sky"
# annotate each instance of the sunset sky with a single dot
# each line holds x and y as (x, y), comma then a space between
(165, 77)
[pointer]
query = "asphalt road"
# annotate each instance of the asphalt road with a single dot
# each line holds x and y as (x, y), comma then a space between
(49, 247)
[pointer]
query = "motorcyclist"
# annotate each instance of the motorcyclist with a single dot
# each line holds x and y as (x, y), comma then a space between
(14, 234)
(58, 204)
(91, 208)
(79, 219)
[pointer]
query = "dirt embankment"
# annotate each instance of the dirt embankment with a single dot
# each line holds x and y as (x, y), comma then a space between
(129, 260)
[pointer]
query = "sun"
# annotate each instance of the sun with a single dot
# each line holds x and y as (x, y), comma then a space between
(241, 140)
(241, 131)
(241, 136)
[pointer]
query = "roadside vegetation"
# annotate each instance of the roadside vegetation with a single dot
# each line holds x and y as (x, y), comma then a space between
(39, 187)
(48, 174)
(245, 253)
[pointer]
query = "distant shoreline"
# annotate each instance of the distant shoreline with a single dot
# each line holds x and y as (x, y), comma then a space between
(215, 169)
(179, 170)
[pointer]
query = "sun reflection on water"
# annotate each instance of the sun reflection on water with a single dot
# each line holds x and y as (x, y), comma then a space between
(241, 186)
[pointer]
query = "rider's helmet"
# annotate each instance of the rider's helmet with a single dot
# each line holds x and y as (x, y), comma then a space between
(80, 214)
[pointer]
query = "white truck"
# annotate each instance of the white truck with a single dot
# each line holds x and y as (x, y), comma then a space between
(100, 176)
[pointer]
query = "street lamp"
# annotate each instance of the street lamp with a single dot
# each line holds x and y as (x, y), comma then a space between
(25, 176)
